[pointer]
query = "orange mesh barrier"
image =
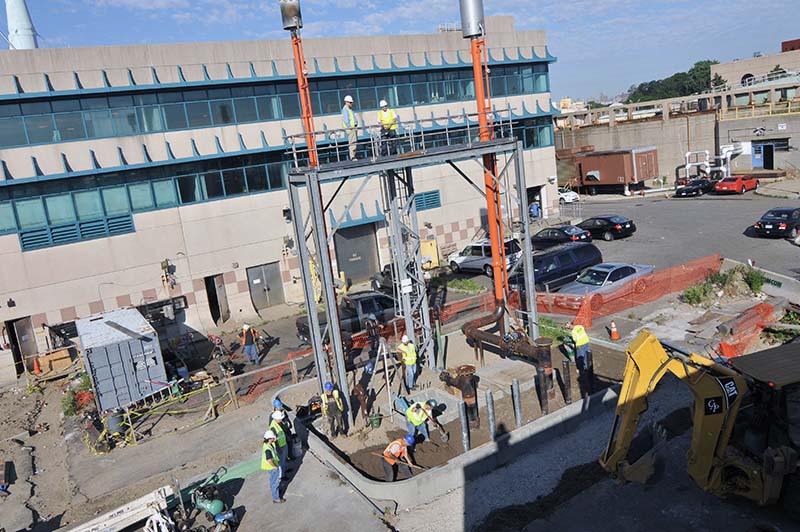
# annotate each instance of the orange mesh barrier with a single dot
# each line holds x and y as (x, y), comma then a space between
(270, 378)
(745, 328)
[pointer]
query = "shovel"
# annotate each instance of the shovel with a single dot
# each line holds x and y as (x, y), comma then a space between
(443, 435)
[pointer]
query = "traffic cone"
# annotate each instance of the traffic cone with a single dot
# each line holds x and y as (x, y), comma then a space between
(614, 331)
(36, 369)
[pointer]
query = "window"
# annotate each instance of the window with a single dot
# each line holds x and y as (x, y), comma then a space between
(566, 259)
(36, 108)
(198, 114)
(60, 209)
(120, 101)
(256, 178)
(266, 108)
(585, 253)
(30, 213)
(12, 132)
(474, 251)
(487, 251)
(234, 182)
(150, 119)
(7, 222)
(290, 105)
(70, 126)
(10, 109)
(276, 171)
(424, 201)
(245, 109)
(89, 205)
(329, 102)
(212, 185)
(175, 116)
(115, 200)
(63, 106)
(164, 192)
(141, 196)
(98, 124)
(621, 273)
(187, 187)
(546, 264)
(222, 111)
(40, 129)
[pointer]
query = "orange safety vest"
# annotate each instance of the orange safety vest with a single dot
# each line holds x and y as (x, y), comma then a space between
(400, 451)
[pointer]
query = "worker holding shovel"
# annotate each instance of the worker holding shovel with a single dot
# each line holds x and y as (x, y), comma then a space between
(395, 457)
(417, 417)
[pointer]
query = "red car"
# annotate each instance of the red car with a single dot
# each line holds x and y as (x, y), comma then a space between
(736, 184)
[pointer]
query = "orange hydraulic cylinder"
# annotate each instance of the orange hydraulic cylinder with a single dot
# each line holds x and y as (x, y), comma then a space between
(493, 204)
(305, 97)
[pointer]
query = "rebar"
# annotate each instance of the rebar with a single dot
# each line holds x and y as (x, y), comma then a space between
(516, 400)
(490, 409)
(462, 414)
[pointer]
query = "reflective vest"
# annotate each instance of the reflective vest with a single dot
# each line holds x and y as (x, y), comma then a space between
(326, 398)
(409, 353)
(388, 119)
(276, 427)
(265, 465)
(416, 418)
(348, 117)
(579, 335)
(395, 450)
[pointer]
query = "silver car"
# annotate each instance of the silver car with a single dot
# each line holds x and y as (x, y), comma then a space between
(477, 256)
(604, 282)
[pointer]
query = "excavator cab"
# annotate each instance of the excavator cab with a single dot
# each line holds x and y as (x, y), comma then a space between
(746, 419)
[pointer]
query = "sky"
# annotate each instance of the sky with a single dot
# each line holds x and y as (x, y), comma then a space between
(602, 46)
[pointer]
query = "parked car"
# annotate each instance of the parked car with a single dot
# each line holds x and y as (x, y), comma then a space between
(602, 282)
(559, 234)
(737, 184)
(353, 310)
(608, 226)
(782, 222)
(566, 195)
(559, 265)
(697, 187)
(477, 256)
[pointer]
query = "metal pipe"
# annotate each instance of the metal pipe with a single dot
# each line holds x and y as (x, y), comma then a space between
(490, 410)
(516, 399)
(542, 390)
(567, 378)
(305, 96)
(462, 414)
(477, 337)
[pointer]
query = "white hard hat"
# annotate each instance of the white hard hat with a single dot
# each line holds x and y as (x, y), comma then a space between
(404, 339)
(269, 435)
(278, 415)
(383, 103)
(348, 99)
(245, 327)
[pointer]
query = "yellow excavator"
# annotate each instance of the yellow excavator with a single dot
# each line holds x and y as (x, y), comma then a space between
(746, 420)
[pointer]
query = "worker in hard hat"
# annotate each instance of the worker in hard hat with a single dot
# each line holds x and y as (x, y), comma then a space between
(286, 424)
(580, 338)
(282, 443)
(270, 462)
(333, 408)
(395, 457)
(388, 120)
(408, 354)
(350, 124)
(249, 339)
(373, 329)
(417, 416)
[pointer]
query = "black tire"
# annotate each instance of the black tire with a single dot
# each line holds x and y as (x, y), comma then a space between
(743, 190)
(793, 233)
(608, 236)
(593, 191)
(454, 267)
(561, 201)
(757, 185)
(488, 270)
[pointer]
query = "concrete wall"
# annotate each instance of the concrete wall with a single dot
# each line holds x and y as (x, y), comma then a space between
(673, 138)
(775, 127)
(733, 71)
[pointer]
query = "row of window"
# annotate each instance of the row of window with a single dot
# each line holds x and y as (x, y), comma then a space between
(108, 202)
(124, 115)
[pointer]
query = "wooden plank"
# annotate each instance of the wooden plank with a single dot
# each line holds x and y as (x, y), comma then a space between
(128, 514)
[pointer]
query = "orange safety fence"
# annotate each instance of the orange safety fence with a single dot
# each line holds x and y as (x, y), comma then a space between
(270, 378)
(745, 328)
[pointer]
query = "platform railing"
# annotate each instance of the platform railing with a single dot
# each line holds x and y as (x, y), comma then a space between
(418, 135)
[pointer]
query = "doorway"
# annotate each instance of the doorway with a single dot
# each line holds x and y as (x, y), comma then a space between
(266, 285)
(357, 251)
(20, 338)
(217, 299)
(768, 152)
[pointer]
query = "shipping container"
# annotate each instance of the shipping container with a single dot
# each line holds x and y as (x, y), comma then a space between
(620, 171)
(122, 355)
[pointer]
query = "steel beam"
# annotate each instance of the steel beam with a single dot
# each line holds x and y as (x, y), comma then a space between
(527, 248)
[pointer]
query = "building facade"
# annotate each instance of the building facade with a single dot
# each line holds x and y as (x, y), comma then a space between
(155, 175)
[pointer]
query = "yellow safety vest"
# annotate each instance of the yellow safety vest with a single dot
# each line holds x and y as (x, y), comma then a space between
(416, 418)
(387, 119)
(409, 353)
(351, 117)
(265, 465)
(579, 335)
(275, 427)
(336, 398)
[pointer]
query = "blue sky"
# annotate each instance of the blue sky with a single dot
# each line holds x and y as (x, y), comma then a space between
(601, 45)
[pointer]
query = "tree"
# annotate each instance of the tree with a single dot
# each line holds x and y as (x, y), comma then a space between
(696, 79)
(591, 104)
(718, 81)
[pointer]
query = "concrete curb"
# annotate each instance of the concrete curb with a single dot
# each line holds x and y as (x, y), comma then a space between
(426, 486)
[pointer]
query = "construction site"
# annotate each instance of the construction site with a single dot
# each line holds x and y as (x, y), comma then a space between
(256, 306)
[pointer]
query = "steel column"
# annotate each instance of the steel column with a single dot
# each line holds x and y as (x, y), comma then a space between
(423, 307)
(326, 272)
(527, 248)
(308, 285)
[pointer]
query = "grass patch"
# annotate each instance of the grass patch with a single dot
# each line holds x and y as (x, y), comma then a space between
(733, 282)
(755, 279)
(464, 285)
(68, 403)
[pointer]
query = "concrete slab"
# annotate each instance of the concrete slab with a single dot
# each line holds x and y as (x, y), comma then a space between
(498, 375)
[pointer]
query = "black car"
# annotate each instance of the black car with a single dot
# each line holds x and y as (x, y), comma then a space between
(353, 310)
(608, 226)
(782, 222)
(559, 234)
(697, 187)
(560, 265)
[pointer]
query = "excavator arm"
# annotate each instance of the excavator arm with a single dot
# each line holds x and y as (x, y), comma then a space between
(718, 392)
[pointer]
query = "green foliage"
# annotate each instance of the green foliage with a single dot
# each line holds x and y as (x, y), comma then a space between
(697, 79)
(591, 104)
(718, 81)
(464, 285)
(68, 403)
(85, 384)
(755, 279)
(720, 278)
(697, 294)
(791, 318)
(549, 328)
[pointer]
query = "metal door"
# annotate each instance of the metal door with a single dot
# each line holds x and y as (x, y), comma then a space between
(357, 251)
(222, 299)
(266, 285)
(758, 159)
(26, 340)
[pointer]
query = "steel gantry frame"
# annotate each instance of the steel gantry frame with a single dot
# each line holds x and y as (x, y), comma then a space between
(400, 211)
